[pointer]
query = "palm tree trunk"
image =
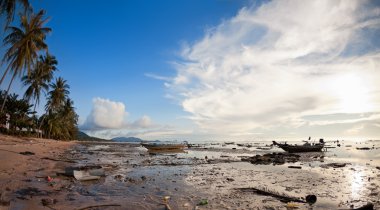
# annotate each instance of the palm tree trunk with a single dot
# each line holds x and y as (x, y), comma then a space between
(5, 74)
(6, 93)
(34, 109)
(42, 121)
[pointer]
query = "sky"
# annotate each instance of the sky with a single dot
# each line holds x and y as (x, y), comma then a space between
(219, 69)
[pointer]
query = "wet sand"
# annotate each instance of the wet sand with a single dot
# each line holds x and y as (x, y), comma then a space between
(135, 179)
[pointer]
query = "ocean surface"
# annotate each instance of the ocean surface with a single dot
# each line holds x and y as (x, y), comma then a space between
(214, 171)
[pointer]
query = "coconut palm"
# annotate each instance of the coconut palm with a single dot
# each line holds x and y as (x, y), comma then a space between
(55, 101)
(39, 79)
(25, 43)
(58, 95)
(60, 119)
(8, 8)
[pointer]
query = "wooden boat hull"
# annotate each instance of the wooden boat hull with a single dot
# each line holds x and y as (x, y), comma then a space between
(164, 147)
(300, 148)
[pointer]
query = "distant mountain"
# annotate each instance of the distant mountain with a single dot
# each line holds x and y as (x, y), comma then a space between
(126, 139)
(81, 136)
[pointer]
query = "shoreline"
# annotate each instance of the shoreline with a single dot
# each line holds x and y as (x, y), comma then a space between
(135, 179)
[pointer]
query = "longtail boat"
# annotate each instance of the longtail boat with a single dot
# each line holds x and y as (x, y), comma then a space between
(157, 147)
(306, 147)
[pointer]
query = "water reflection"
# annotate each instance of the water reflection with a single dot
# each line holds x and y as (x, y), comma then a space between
(357, 183)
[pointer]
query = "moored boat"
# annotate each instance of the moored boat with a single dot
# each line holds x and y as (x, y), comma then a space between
(307, 147)
(163, 147)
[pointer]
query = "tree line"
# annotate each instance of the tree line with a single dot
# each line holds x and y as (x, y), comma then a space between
(27, 58)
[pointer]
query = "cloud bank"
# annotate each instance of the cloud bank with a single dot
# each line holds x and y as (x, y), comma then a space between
(106, 114)
(111, 115)
(268, 69)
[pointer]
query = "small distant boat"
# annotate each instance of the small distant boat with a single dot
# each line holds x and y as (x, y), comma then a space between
(307, 147)
(159, 147)
(229, 142)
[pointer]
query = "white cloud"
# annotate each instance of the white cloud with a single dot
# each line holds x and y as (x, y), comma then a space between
(268, 67)
(111, 115)
(143, 122)
(106, 114)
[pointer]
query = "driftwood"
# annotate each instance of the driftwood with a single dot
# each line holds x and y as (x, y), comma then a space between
(101, 205)
(281, 197)
(53, 159)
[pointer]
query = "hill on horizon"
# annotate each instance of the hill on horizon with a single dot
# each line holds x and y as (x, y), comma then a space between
(126, 139)
(82, 136)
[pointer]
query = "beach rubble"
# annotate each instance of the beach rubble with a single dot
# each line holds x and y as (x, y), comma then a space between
(272, 158)
(86, 175)
(334, 165)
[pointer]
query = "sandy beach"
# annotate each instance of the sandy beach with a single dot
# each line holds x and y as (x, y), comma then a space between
(211, 176)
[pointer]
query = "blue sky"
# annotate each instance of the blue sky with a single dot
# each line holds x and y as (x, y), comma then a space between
(104, 50)
(219, 69)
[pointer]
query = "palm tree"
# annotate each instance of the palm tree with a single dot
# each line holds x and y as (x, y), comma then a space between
(58, 95)
(8, 8)
(25, 43)
(55, 101)
(39, 78)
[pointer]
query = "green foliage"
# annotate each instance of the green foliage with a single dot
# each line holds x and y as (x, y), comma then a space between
(20, 114)
(60, 121)
(25, 44)
(38, 80)
(8, 8)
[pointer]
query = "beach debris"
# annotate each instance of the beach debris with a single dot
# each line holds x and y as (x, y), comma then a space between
(272, 158)
(91, 174)
(3, 202)
(368, 206)
(264, 148)
(296, 167)
(95, 206)
(230, 179)
(292, 205)
(203, 202)
(69, 171)
(281, 197)
(166, 202)
(30, 191)
(48, 201)
(49, 179)
(119, 177)
(62, 160)
(27, 153)
(311, 199)
(363, 148)
(166, 198)
(334, 165)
